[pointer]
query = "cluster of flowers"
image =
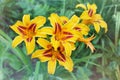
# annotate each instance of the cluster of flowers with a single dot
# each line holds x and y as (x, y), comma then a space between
(63, 34)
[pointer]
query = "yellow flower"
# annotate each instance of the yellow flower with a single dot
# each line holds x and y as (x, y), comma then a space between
(83, 30)
(27, 30)
(87, 41)
(89, 16)
(52, 56)
(62, 32)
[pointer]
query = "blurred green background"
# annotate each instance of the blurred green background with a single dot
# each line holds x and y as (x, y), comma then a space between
(103, 64)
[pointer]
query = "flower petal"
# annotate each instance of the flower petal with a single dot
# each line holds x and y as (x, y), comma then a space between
(81, 6)
(51, 66)
(85, 15)
(37, 53)
(17, 41)
(54, 18)
(82, 28)
(47, 30)
(103, 24)
(39, 21)
(68, 48)
(90, 45)
(87, 41)
(72, 45)
(40, 34)
(71, 38)
(96, 26)
(72, 22)
(92, 7)
(68, 64)
(64, 19)
(30, 45)
(97, 17)
(26, 20)
(15, 26)
(43, 43)
(44, 59)
(55, 43)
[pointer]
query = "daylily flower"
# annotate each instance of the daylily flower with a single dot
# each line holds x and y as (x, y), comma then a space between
(87, 41)
(89, 16)
(83, 31)
(62, 32)
(27, 30)
(48, 53)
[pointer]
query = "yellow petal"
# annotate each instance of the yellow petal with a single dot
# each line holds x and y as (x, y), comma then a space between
(15, 26)
(38, 53)
(96, 17)
(39, 21)
(86, 22)
(68, 64)
(64, 19)
(43, 43)
(85, 15)
(103, 24)
(26, 20)
(87, 41)
(55, 43)
(72, 22)
(93, 7)
(82, 28)
(17, 41)
(81, 6)
(51, 66)
(74, 36)
(68, 48)
(30, 45)
(47, 30)
(44, 59)
(54, 18)
(72, 45)
(96, 26)
(40, 34)
(90, 45)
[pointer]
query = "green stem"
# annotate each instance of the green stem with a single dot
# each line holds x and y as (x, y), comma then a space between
(37, 68)
(63, 9)
(74, 78)
(103, 6)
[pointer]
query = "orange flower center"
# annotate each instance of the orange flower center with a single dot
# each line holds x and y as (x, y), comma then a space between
(60, 34)
(29, 32)
(57, 54)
